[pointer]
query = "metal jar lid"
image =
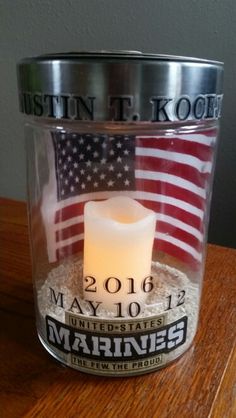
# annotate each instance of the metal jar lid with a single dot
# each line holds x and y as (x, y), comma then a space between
(122, 86)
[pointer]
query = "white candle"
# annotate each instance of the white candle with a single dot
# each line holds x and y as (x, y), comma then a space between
(118, 243)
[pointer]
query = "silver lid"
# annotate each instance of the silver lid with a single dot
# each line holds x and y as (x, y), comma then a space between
(122, 86)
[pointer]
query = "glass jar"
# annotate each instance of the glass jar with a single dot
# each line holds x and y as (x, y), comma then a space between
(120, 161)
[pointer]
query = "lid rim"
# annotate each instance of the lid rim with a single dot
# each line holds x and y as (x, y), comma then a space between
(119, 55)
(119, 87)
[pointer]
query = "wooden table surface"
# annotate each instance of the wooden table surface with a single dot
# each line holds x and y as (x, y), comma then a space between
(202, 383)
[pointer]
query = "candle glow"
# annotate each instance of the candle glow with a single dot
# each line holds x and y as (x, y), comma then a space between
(118, 242)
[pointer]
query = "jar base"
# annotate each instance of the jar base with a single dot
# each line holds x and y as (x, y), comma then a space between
(64, 360)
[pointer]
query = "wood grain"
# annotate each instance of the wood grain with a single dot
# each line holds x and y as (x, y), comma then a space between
(202, 383)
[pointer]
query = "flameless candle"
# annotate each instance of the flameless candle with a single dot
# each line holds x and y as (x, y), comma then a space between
(118, 242)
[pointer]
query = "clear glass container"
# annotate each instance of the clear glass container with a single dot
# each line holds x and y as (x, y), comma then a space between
(118, 215)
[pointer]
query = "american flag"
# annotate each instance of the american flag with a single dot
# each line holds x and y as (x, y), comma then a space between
(170, 174)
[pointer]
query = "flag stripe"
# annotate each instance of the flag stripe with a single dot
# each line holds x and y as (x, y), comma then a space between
(162, 217)
(70, 231)
(69, 246)
(73, 210)
(170, 144)
(194, 162)
(77, 229)
(163, 188)
(176, 213)
(207, 137)
(159, 237)
(68, 250)
(178, 253)
(72, 227)
(183, 171)
(180, 244)
(168, 200)
(168, 230)
(164, 246)
(171, 179)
